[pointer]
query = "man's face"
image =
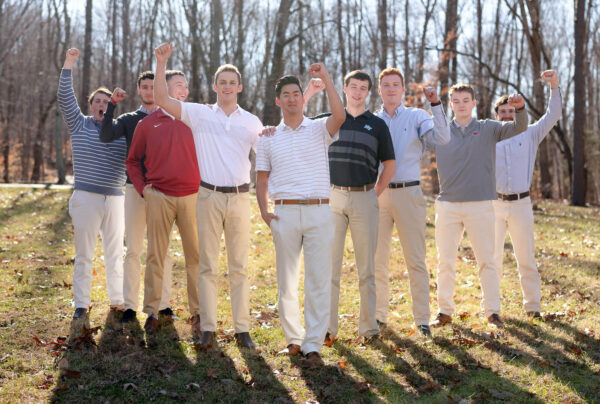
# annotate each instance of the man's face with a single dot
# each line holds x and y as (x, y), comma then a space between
(505, 113)
(178, 87)
(391, 89)
(291, 100)
(462, 103)
(146, 91)
(98, 105)
(356, 92)
(227, 87)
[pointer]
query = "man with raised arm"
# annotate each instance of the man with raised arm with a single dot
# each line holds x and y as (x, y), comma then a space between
(168, 181)
(515, 161)
(96, 206)
(135, 212)
(293, 169)
(402, 203)
(354, 159)
(466, 170)
(224, 134)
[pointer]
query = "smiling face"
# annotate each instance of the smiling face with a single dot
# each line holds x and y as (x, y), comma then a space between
(391, 89)
(146, 91)
(227, 86)
(356, 92)
(177, 87)
(98, 105)
(505, 113)
(462, 104)
(290, 100)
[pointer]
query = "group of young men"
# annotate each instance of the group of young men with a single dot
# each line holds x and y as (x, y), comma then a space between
(188, 163)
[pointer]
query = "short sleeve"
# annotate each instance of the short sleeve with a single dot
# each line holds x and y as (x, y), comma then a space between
(385, 148)
(425, 123)
(320, 125)
(192, 113)
(255, 135)
(263, 155)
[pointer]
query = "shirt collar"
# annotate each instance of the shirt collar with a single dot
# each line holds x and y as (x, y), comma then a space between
(167, 114)
(146, 110)
(461, 127)
(217, 108)
(305, 122)
(399, 109)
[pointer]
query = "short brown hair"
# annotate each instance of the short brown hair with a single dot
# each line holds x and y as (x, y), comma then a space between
(284, 81)
(101, 90)
(227, 68)
(462, 88)
(171, 73)
(390, 71)
(147, 75)
(501, 101)
(358, 75)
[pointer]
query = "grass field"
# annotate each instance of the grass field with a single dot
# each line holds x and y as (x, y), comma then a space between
(46, 357)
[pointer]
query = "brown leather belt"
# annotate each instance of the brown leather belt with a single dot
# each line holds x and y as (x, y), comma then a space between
(302, 202)
(513, 197)
(364, 188)
(226, 190)
(394, 185)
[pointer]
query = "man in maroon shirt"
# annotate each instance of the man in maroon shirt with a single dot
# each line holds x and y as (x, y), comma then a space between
(169, 186)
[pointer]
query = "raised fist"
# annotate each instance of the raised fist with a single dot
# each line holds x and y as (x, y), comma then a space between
(550, 77)
(72, 54)
(431, 95)
(318, 71)
(118, 95)
(316, 85)
(516, 100)
(163, 51)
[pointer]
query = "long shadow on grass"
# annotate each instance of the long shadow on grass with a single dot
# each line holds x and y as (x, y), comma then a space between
(265, 386)
(18, 207)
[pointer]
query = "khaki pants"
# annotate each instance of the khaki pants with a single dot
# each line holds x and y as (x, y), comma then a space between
(517, 217)
(94, 214)
(477, 218)
(135, 230)
(359, 211)
(309, 227)
(219, 212)
(406, 208)
(161, 212)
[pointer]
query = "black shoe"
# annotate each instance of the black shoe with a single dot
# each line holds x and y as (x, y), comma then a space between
(243, 340)
(128, 316)
(425, 330)
(207, 340)
(381, 324)
(79, 313)
(166, 315)
(166, 312)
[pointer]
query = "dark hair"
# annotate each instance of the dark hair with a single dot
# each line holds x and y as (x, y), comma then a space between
(390, 71)
(101, 90)
(147, 75)
(460, 88)
(171, 73)
(358, 75)
(501, 101)
(284, 81)
(227, 68)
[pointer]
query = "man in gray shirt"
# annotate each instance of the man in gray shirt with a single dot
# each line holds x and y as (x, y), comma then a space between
(466, 170)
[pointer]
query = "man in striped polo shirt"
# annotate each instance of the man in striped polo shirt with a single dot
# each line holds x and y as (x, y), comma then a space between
(96, 205)
(292, 167)
(354, 161)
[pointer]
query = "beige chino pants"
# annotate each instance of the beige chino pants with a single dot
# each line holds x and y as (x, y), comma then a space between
(219, 212)
(161, 212)
(135, 230)
(517, 218)
(308, 227)
(406, 208)
(451, 220)
(360, 211)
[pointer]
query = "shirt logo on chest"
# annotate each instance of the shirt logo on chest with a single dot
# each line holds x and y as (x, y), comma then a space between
(367, 127)
(475, 133)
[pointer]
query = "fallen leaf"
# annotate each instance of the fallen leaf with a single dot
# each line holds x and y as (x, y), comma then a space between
(212, 373)
(46, 383)
(342, 364)
(411, 332)
(463, 315)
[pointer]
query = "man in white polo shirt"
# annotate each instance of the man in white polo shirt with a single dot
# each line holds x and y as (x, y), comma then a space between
(515, 161)
(223, 133)
(292, 167)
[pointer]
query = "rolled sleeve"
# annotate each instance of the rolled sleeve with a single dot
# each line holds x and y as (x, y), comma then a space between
(321, 127)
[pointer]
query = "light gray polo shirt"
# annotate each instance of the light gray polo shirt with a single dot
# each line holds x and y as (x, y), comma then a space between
(466, 165)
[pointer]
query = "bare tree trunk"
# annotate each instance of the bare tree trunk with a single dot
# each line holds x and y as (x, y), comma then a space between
(407, 72)
(215, 43)
(578, 195)
(87, 58)
(382, 28)
(449, 53)
(114, 61)
(239, 51)
(125, 45)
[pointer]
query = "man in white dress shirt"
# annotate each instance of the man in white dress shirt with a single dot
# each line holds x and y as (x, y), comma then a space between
(515, 161)
(293, 169)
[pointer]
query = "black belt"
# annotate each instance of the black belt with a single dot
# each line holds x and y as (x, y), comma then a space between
(226, 190)
(395, 185)
(513, 197)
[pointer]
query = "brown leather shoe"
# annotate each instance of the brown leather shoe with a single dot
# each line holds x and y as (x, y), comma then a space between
(313, 360)
(243, 340)
(166, 316)
(441, 320)
(290, 350)
(495, 320)
(152, 324)
(534, 314)
(329, 339)
(207, 340)
(196, 332)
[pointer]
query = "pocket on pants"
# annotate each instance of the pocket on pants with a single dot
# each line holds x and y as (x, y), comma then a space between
(74, 201)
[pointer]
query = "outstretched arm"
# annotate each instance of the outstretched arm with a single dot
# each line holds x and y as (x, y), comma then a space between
(315, 86)
(545, 124)
(161, 94)
(440, 133)
(509, 129)
(66, 96)
(338, 114)
(112, 129)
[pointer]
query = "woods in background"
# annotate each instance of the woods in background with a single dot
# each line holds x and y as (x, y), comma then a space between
(499, 46)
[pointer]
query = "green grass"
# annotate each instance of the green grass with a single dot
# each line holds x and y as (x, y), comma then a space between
(556, 360)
